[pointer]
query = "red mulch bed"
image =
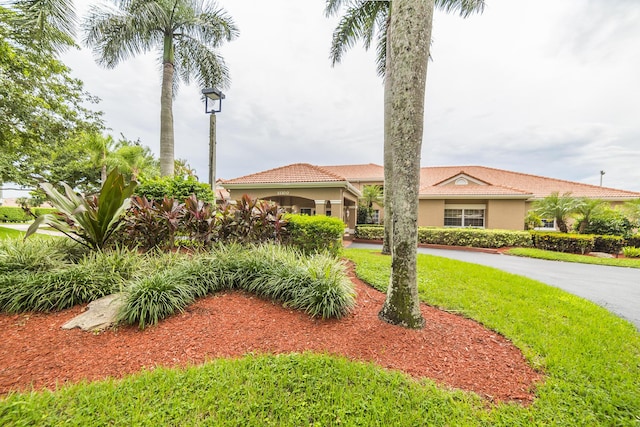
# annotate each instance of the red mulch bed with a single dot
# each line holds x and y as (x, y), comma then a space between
(453, 351)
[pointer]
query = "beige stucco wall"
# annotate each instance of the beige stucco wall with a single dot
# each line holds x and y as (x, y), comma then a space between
(431, 213)
(505, 214)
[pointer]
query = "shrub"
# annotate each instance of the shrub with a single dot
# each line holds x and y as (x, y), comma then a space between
(634, 241)
(13, 214)
(609, 222)
(631, 252)
(473, 237)
(54, 290)
(369, 232)
(313, 234)
(562, 242)
(316, 284)
(32, 255)
(154, 298)
(150, 224)
(178, 187)
(89, 220)
(608, 244)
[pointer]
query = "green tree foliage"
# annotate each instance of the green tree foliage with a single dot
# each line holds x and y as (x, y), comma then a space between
(585, 209)
(51, 23)
(41, 108)
(609, 222)
(559, 207)
(371, 194)
(186, 33)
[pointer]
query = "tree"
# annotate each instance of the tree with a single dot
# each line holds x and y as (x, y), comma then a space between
(363, 20)
(371, 194)
(587, 208)
(42, 108)
(409, 40)
(50, 23)
(134, 160)
(186, 32)
(632, 209)
(557, 207)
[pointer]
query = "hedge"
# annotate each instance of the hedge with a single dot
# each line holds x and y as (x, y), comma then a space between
(608, 244)
(633, 241)
(174, 187)
(314, 234)
(474, 237)
(17, 214)
(564, 242)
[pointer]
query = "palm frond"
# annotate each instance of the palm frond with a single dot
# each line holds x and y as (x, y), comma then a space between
(358, 23)
(464, 7)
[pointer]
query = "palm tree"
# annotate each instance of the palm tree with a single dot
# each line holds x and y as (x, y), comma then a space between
(365, 20)
(185, 32)
(557, 207)
(587, 208)
(50, 23)
(409, 39)
(371, 194)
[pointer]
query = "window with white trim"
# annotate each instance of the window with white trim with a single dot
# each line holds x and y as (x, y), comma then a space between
(464, 216)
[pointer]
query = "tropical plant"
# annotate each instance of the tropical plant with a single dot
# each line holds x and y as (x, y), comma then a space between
(186, 32)
(364, 20)
(609, 222)
(177, 187)
(91, 220)
(371, 194)
(559, 207)
(632, 210)
(586, 208)
(52, 24)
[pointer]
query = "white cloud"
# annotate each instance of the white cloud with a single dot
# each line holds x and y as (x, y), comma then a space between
(549, 88)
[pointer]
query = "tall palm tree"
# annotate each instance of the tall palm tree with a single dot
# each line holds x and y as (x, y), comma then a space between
(364, 20)
(409, 40)
(184, 32)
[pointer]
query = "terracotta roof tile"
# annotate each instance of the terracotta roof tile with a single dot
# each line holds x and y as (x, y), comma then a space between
(499, 182)
(368, 172)
(298, 172)
(538, 186)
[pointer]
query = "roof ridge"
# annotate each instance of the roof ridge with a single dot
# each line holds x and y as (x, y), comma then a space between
(328, 172)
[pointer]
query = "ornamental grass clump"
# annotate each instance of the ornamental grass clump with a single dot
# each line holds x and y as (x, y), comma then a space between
(33, 255)
(156, 297)
(55, 290)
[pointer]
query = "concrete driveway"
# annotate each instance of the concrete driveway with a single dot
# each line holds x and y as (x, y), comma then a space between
(615, 288)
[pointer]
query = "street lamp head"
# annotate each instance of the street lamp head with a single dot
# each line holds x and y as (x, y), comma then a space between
(214, 96)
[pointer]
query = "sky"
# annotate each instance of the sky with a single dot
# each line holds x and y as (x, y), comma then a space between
(549, 88)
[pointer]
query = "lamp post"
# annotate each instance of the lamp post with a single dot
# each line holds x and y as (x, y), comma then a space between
(601, 174)
(213, 104)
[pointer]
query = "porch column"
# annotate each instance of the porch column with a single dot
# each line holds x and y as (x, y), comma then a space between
(320, 207)
(336, 209)
(352, 217)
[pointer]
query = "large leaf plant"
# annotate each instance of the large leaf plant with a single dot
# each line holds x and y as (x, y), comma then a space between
(90, 220)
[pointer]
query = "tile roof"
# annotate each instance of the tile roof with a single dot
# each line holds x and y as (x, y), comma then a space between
(433, 181)
(298, 172)
(368, 172)
(538, 186)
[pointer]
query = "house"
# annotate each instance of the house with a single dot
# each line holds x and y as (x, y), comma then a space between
(449, 196)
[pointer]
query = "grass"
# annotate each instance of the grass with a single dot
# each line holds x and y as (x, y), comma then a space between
(591, 359)
(10, 233)
(584, 259)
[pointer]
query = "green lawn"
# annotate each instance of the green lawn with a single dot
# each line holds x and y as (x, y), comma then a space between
(591, 359)
(10, 233)
(584, 259)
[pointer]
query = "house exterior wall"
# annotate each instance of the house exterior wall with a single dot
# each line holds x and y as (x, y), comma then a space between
(505, 214)
(430, 213)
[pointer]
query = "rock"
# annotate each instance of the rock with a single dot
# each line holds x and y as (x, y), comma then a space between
(100, 314)
(601, 255)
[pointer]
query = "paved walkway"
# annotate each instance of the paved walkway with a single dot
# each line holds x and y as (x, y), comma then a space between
(615, 288)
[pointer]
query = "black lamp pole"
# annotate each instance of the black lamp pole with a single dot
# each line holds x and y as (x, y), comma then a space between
(213, 105)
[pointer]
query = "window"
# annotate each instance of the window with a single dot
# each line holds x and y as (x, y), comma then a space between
(547, 224)
(375, 216)
(305, 211)
(464, 217)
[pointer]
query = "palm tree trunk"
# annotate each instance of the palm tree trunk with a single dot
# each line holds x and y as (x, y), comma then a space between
(166, 121)
(387, 244)
(411, 22)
